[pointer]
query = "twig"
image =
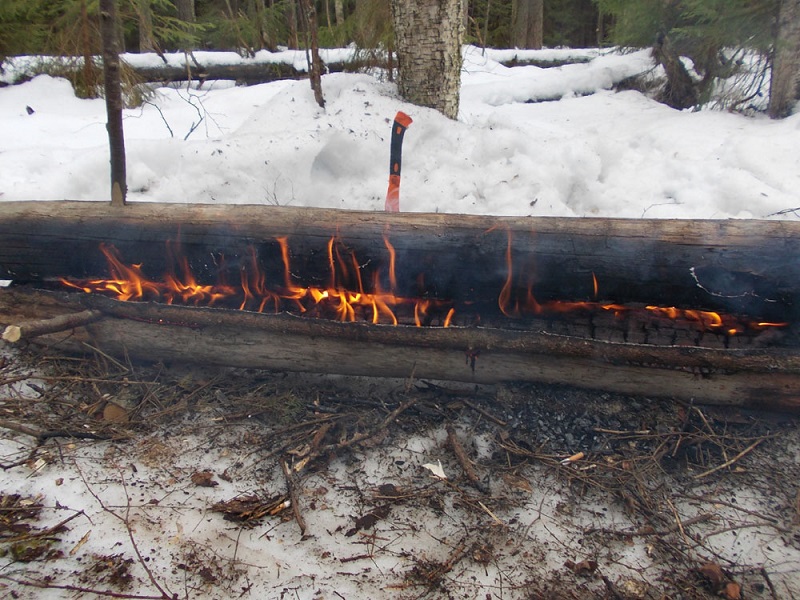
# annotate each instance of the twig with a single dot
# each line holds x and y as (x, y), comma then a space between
(773, 592)
(729, 462)
(41, 436)
(294, 496)
(392, 416)
(645, 532)
(461, 455)
(164, 595)
(45, 532)
(483, 412)
(74, 588)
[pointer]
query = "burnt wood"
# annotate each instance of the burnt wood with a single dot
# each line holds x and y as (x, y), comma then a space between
(734, 266)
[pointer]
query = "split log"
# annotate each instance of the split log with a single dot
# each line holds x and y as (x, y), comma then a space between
(764, 378)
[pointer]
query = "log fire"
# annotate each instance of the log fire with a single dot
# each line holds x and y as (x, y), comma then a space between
(700, 310)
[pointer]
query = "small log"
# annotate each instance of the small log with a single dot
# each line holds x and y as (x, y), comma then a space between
(32, 329)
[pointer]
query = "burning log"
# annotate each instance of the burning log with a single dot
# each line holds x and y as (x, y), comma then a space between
(690, 310)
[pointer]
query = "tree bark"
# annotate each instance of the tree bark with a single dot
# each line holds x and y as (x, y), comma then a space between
(185, 10)
(114, 103)
(147, 41)
(527, 25)
(428, 35)
(312, 50)
(785, 78)
(755, 378)
(338, 8)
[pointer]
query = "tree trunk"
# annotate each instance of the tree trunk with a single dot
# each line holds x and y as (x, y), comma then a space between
(338, 8)
(785, 79)
(291, 16)
(680, 91)
(185, 10)
(527, 18)
(89, 71)
(114, 104)
(428, 37)
(147, 41)
(312, 50)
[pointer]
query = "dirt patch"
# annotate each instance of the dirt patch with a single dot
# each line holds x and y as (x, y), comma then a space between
(226, 483)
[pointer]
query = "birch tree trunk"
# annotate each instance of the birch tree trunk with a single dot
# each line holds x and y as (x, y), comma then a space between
(785, 79)
(428, 36)
(527, 18)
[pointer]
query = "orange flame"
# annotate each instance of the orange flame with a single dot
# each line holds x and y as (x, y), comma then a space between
(179, 285)
(347, 298)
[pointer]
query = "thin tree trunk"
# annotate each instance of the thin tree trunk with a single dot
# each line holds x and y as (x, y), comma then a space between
(428, 36)
(185, 10)
(338, 8)
(147, 42)
(90, 75)
(291, 16)
(114, 104)
(785, 79)
(314, 62)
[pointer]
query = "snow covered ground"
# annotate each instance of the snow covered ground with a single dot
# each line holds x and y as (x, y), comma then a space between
(528, 141)
(594, 152)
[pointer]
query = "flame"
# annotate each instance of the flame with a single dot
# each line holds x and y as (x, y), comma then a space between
(345, 298)
(350, 295)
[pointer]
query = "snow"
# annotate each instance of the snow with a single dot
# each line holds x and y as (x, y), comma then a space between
(528, 141)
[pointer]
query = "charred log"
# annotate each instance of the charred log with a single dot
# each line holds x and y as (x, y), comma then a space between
(734, 266)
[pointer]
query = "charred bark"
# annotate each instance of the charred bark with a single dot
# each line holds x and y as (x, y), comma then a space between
(733, 266)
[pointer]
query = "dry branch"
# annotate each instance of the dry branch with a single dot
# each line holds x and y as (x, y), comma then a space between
(461, 455)
(32, 329)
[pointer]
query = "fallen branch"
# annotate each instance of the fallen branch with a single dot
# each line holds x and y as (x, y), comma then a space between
(33, 329)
